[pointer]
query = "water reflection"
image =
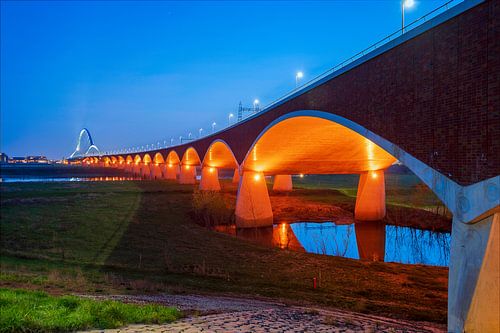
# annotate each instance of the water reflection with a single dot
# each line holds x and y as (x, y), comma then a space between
(372, 241)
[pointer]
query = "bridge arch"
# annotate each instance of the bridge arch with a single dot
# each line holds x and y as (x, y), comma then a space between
(384, 151)
(129, 159)
(121, 159)
(146, 159)
(191, 157)
(158, 159)
(137, 159)
(173, 158)
(220, 155)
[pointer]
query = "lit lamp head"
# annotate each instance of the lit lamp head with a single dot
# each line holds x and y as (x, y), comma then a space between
(408, 3)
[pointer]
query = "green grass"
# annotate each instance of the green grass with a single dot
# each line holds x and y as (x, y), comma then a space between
(36, 311)
(141, 237)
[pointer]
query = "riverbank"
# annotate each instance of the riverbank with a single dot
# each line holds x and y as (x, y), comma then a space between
(139, 237)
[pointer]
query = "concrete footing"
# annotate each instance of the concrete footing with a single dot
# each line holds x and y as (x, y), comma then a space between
(187, 175)
(282, 183)
(370, 200)
(145, 171)
(370, 239)
(236, 176)
(171, 171)
(474, 276)
(253, 206)
(136, 170)
(156, 171)
(209, 179)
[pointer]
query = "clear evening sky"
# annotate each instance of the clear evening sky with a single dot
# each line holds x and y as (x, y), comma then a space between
(135, 73)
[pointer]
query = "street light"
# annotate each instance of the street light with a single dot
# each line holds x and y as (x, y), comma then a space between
(189, 135)
(199, 132)
(405, 4)
(213, 126)
(256, 105)
(171, 141)
(298, 76)
(229, 118)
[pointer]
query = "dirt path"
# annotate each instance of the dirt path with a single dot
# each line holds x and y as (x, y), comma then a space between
(231, 314)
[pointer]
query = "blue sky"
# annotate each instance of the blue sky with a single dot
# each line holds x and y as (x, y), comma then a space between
(135, 73)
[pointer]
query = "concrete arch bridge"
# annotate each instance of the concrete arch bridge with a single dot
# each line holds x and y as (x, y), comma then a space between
(429, 99)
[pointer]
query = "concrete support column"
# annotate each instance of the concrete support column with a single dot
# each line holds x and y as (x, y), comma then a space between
(209, 179)
(370, 200)
(156, 172)
(236, 176)
(282, 183)
(145, 171)
(136, 169)
(129, 168)
(187, 175)
(253, 206)
(171, 171)
(370, 239)
(474, 276)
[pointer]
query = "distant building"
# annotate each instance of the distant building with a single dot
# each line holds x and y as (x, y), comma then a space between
(17, 159)
(4, 158)
(37, 159)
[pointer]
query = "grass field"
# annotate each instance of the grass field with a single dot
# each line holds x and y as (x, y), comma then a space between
(35, 311)
(140, 237)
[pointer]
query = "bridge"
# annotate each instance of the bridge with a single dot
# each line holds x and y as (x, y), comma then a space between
(428, 98)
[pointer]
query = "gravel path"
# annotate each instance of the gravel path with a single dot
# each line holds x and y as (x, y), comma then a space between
(231, 314)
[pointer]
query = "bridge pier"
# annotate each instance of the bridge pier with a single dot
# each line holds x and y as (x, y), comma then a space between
(236, 176)
(145, 171)
(156, 172)
(370, 199)
(188, 174)
(282, 183)
(171, 171)
(370, 240)
(209, 179)
(253, 206)
(136, 170)
(474, 276)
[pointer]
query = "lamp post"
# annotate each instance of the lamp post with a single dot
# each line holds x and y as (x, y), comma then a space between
(171, 141)
(256, 105)
(213, 126)
(405, 4)
(200, 131)
(189, 135)
(229, 118)
(298, 76)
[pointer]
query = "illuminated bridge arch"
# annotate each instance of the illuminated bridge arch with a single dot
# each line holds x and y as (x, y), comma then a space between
(327, 138)
(85, 145)
(220, 155)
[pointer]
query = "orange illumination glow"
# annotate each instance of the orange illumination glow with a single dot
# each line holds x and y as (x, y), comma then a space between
(374, 175)
(156, 164)
(187, 167)
(170, 165)
(220, 156)
(318, 146)
(256, 177)
(211, 170)
(301, 175)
